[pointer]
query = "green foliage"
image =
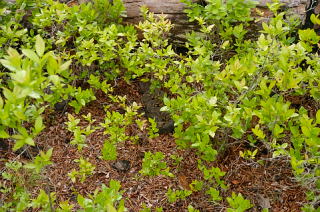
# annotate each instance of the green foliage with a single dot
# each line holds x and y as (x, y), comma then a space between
(253, 83)
(196, 185)
(274, 111)
(308, 38)
(94, 82)
(173, 196)
(40, 161)
(43, 201)
(215, 194)
(218, 10)
(82, 97)
(85, 169)
(227, 87)
(109, 151)
(153, 130)
(238, 203)
(146, 209)
(78, 132)
(19, 202)
(154, 30)
(191, 209)
(177, 159)
(103, 200)
(65, 207)
(153, 165)
(248, 154)
(23, 178)
(109, 10)
(201, 114)
(226, 18)
(23, 94)
(114, 125)
(213, 173)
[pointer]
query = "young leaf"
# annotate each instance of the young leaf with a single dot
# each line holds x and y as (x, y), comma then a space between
(1, 103)
(258, 132)
(110, 208)
(318, 117)
(29, 141)
(315, 19)
(4, 134)
(65, 66)
(38, 126)
(40, 46)
(31, 55)
(109, 151)
(18, 144)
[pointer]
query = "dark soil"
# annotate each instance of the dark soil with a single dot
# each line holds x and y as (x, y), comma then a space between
(152, 102)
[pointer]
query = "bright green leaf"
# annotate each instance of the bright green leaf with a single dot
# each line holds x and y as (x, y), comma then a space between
(259, 133)
(4, 134)
(38, 126)
(31, 55)
(29, 141)
(65, 66)
(40, 45)
(317, 117)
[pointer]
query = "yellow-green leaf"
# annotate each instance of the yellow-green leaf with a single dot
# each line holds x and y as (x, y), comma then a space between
(40, 45)
(318, 117)
(18, 144)
(1, 102)
(31, 55)
(258, 132)
(110, 208)
(4, 134)
(29, 141)
(65, 66)
(38, 126)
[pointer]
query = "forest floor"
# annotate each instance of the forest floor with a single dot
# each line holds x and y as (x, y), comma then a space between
(269, 184)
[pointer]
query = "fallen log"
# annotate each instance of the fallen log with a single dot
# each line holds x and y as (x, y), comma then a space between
(173, 9)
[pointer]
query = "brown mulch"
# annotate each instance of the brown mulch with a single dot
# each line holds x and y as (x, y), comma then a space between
(270, 182)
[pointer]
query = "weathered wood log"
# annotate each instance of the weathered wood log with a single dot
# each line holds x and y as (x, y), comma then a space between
(173, 9)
